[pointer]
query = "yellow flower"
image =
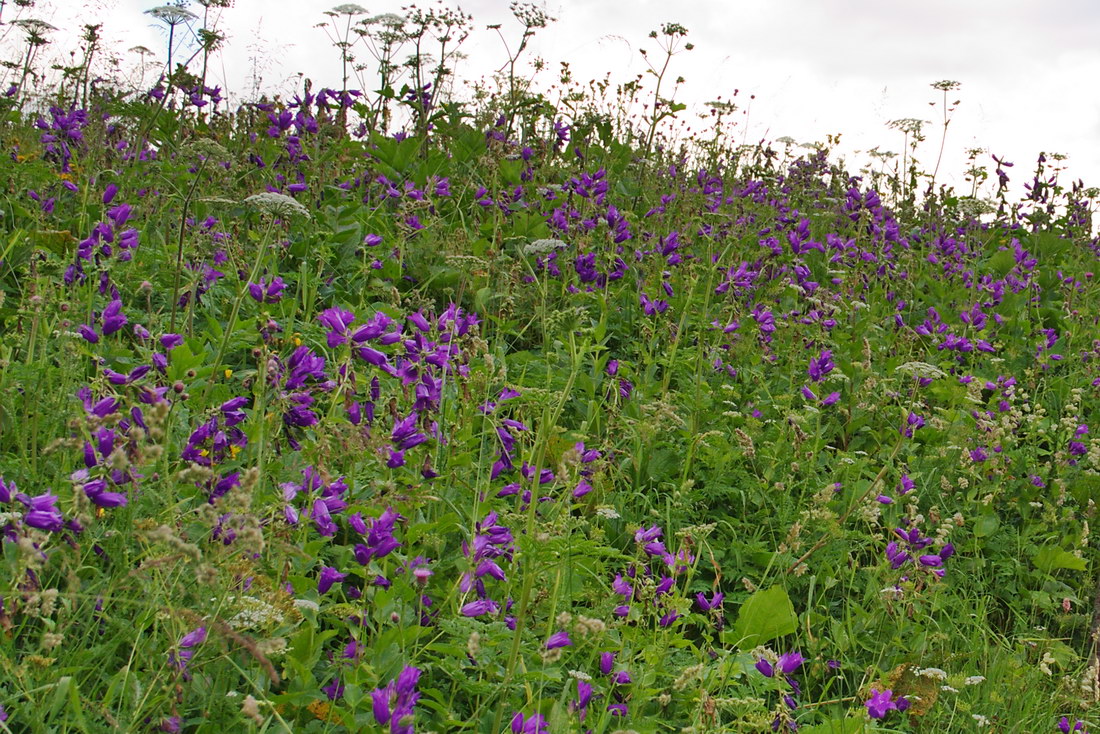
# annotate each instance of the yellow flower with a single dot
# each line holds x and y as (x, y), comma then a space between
(228, 373)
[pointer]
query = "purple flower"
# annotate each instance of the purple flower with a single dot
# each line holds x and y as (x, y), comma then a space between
(42, 512)
(193, 638)
(88, 333)
(558, 639)
(334, 690)
(607, 661)
(907, 484)
(267, 292)
(113, 318)
(765, 668)
(790, 662)
(337, 320)
(328, 577)
(533, 724)
(584, 696)
(96, 491)
(393, 704)
(879, 703)
(821, 366)
(491, 568)
(714, 603)
(667, 619)
(479, 607)
(912, 423)
(1064, 726)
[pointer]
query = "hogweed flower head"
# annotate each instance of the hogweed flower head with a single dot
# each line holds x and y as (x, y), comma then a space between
(277, 205)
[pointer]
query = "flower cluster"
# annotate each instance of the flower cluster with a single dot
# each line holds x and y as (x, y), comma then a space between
(491, 542)
(393, 703)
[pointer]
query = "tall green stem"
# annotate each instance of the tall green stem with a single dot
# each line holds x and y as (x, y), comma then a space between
(232, 323)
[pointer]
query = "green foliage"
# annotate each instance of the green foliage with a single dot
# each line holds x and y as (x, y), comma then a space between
(300, 427)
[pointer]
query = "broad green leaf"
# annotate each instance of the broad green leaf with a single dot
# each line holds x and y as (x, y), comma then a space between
(59, 242)
(766, 615)
(1052, 558)
(986, 525)
(837, 726)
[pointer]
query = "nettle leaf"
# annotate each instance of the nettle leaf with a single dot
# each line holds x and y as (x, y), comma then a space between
(1051, 558)
(766, 615)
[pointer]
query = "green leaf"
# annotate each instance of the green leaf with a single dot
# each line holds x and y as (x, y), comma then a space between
(986, 525)
(836, 726)
(766, 615)
(1050, 558)
(59, 242)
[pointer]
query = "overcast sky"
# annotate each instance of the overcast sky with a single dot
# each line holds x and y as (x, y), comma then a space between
(1028, 69)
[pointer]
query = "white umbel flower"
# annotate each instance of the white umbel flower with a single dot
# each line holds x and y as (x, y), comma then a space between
(277, 205)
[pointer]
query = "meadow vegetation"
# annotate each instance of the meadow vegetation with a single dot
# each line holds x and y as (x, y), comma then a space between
(395, 410)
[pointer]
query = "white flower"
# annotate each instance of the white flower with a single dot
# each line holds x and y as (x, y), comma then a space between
(206, 148)
(171, 14)
(307, 604)
(254, 614)
(933, 673)
(34, 25)
(278, 205)
(541, 247)
(980, 720)
(920, 369)
(974, 680)
(388, 19)
(349, 9)
(607, 513)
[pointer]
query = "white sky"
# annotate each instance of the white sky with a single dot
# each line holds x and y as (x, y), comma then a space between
(1029, 68)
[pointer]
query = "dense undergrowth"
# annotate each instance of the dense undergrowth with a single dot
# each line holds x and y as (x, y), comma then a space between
(530, 421)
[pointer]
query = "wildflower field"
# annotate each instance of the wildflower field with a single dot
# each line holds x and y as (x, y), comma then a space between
(388, 411)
